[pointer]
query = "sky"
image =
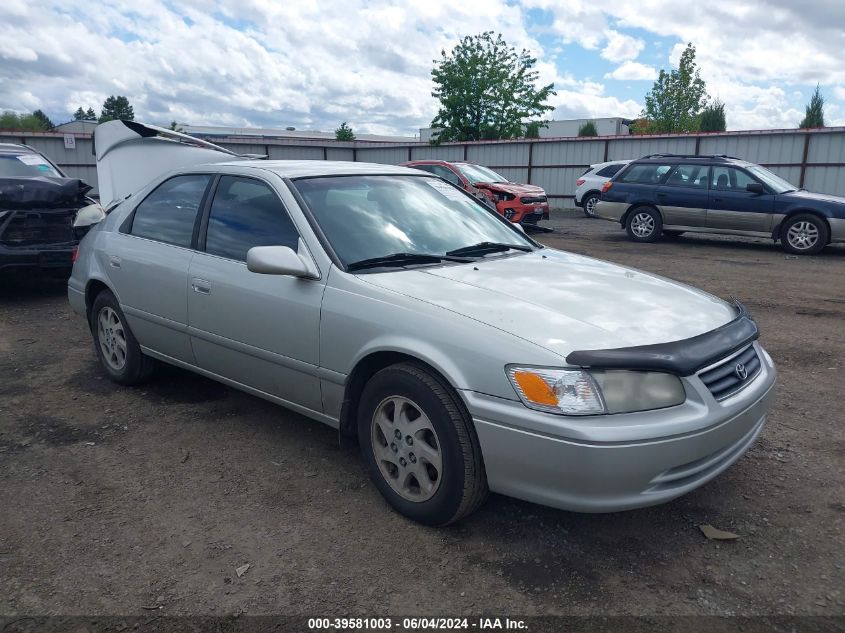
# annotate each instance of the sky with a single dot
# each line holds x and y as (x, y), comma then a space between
(312, 64)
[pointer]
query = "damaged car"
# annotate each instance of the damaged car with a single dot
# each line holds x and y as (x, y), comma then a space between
(392, 306)
(43, 213)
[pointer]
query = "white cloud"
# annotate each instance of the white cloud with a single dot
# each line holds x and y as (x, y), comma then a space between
(633, 71)
(621, 47)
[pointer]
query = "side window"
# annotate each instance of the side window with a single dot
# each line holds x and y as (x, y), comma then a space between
(246, 213)
(425, 167)
(689, 176)
(609, 171)
(730, 179)
(645, 174)
(168, 214)
(447, 174)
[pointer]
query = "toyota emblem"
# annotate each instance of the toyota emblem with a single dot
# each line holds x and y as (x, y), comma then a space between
(740, 371)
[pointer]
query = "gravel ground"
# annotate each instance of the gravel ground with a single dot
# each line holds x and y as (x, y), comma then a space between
(115, 499)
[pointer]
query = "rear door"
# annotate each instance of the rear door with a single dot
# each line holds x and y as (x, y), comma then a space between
(258, 330)
(732, 207)
(682, 198)
(148, 260)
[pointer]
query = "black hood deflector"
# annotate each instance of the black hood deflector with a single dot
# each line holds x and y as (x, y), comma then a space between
(682, 358)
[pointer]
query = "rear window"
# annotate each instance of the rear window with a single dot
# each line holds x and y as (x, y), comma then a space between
(645, 173)
(26, 165)
(610, 170)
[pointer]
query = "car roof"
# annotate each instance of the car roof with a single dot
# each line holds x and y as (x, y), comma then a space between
(8, 148)
(684, 158)
(312, 168)
(621, 161)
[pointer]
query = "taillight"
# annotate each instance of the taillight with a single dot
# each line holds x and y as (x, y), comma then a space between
(74, 254)
(606, 186)
(580, 182)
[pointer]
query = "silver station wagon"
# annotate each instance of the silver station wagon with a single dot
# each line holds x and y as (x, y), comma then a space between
(389, 304)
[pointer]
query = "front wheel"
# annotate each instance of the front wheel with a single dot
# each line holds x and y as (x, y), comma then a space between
(804, 234)
(644, 224)
(420, 446)
(589, 204)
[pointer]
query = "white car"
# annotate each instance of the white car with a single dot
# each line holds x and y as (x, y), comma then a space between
(588, 185)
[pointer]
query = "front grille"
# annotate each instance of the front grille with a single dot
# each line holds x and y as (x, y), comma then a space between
(533, 199)
(26, 228)
(530, 218)
(726, 378)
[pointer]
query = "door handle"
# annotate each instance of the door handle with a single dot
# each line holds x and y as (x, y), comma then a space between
(201, 286)
(114, 261)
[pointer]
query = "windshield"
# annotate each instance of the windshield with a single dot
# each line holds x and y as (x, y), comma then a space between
(25, 165)
(778, 184)
(477, 173)
(375, 216)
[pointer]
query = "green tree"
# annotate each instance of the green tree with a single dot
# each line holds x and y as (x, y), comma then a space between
(814, 116)
(25, 122)
(677, 97)
(43, 120)
(532, 129)
(344, 133)
(79, 115)
(90, 115)
(486, 90)
(713, 118)
(588, 129)
(176, 127)
(116, 107)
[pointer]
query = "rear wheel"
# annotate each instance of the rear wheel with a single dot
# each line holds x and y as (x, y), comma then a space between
(420, 446)
(644, 224)
(804, 234)
(589, 205)
(118, 350)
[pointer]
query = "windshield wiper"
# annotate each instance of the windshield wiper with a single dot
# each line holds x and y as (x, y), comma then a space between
(402, 259)
(488, 247)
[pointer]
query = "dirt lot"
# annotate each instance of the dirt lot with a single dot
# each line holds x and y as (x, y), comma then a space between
(115, 499)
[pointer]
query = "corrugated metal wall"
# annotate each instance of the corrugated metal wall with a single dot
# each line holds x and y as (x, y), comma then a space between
(813, 159)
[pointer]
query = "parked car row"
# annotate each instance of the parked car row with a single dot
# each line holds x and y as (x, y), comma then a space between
(386, 303)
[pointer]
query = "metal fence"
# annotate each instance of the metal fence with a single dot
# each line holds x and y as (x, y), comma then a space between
(814, 159)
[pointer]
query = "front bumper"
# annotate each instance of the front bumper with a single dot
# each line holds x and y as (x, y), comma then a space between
(515, 211)
(47, 257)
(618, 462)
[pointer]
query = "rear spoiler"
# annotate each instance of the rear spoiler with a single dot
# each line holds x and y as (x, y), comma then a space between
(130, 155)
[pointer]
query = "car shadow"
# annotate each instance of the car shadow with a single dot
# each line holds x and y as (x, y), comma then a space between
(15, 287)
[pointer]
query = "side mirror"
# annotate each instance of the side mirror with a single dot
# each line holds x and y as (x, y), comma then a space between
(276, 260)
(755, 187)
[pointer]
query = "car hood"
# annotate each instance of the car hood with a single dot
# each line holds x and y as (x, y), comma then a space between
(511, 187)
(565, 302)
(818, 197)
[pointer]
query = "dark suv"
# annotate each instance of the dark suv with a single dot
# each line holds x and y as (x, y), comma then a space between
(669, 194)
(38, 205)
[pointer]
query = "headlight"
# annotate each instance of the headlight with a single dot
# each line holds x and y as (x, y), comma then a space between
(578, 392)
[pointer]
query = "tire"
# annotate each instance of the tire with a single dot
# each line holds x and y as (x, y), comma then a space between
(804, 234)
(116, 346)
(432, 471)
(640, 220)
(588, 204)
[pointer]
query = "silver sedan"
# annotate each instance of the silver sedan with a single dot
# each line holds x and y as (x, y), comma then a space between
(462, 355)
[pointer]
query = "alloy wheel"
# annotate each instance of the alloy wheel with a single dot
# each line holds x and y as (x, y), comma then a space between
(112, 338)
(406, 448)
(802, 235)
(590, 205)
(642, 225)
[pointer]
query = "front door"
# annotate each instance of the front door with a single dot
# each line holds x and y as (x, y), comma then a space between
(258, 330)
(682, 198)
(733, 207)
(148, 264)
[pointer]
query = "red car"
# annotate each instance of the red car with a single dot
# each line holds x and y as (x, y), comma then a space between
(526, 204)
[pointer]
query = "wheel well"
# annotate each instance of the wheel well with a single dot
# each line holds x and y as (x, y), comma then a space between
(94, 288)
(792, 214)
(591, 192)
(637, 205)
(366, 368)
